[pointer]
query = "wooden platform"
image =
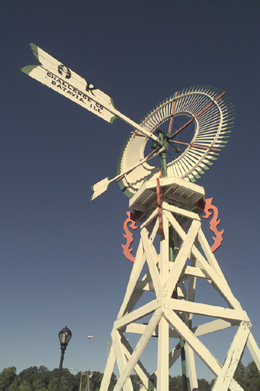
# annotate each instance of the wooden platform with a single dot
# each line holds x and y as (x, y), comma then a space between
(175, 191)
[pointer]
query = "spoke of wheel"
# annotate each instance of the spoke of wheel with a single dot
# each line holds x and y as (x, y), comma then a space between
(196, 116)
(196, 146)
(172, 113)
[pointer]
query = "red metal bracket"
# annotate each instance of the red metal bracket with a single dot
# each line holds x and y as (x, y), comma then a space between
(214, 222)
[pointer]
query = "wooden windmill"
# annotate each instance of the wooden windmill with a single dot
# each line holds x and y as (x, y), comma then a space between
(187, 132)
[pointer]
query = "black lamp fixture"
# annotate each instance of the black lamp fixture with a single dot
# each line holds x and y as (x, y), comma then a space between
(64, 336)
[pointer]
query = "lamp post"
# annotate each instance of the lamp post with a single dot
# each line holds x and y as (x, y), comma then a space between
(64, 336)
(81, 375)
(89, 375)
(107, 343)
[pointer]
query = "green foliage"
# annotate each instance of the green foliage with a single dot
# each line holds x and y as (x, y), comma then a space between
(175, 383)
(252, 377)
(7, 377)
(204, 385)
(41, 379)
(240, 375)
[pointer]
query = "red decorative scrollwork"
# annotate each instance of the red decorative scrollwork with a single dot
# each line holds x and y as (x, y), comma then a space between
(214, 222)
(129, 237)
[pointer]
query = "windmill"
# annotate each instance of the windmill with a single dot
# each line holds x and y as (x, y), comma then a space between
(186, 133)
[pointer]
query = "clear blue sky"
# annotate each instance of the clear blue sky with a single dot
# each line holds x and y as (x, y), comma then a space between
(61, 256)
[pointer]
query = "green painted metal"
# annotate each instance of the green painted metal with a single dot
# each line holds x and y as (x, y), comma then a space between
(112, 119)
(171, 245)
(183, 366)
(163, 143)
(35, 50)
(150, 385)
(28, 69)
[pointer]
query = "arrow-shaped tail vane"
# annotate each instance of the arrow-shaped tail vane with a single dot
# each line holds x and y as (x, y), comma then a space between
(63, 80)
(101, 186)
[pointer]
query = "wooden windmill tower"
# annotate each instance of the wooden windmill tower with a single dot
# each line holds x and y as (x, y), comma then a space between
(173, 254)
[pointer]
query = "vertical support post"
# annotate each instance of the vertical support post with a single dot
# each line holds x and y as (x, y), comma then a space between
(163, 155)
(163, 327)
(182, 342)
(163, 356)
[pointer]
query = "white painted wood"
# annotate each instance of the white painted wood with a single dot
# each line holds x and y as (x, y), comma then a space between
(192, 285)
(163, 356)
(192, 374)
(214, 326)
(164, 251)
(190, 271)
(206, 310)
(137, 328)
(211, 273)
(121, 360)
(148, 286)
(139, 368)
(213, 262)
(139, 348)
(219, 282)
(155, 230)
(174, 355)
(200, 349)
(151, 217)
(108, 370)
(180, 211)
(254, 350)
(136, 270)
(181, 291)
(137, 314)
(209, 254)
(233, 357)
(173, 182)
(181, 258)
(151, 260)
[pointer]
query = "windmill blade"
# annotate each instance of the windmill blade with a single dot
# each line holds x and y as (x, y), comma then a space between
(63, 80)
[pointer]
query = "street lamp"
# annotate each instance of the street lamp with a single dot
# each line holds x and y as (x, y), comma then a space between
(64, 336)
(89, 375)
(107, 343)
(81, 374)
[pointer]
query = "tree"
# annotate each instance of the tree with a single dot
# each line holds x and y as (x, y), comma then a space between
(112, 382)
(25, 386)
(63, 384)
(15, 384)
(252, 377)
(7, 377)
(175, 383)
(204, 385)
(240, 375)
(95, 380)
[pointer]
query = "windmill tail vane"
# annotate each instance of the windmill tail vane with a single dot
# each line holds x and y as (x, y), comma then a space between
(66, 82)
(63, 80)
